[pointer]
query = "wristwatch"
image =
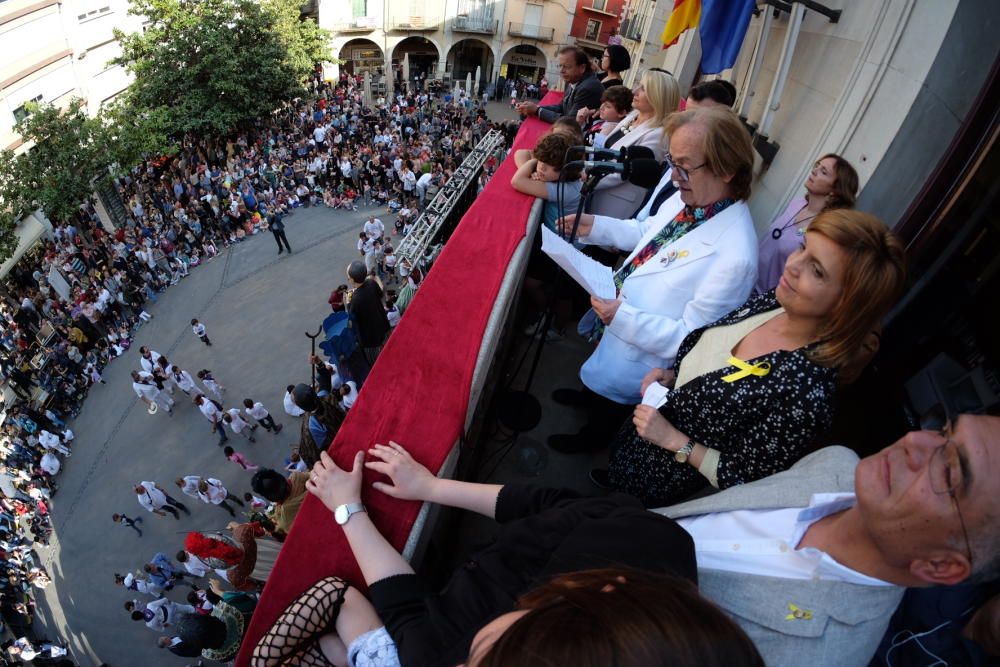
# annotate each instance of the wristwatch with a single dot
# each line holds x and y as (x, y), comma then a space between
(343, 513)
(681, 455)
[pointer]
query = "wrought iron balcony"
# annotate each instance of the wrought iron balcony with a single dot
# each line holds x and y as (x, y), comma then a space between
(476, 25)
(360, 24)
(414, 23)
(529, 31)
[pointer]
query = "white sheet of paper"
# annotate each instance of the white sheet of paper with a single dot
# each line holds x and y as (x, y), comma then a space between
(656, 395)
(592, 276)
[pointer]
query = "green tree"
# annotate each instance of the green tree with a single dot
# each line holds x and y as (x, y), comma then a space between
(66, 154)
(209, 66)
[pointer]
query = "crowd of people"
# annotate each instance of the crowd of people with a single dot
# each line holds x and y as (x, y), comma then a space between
(74, 302)
(713, 373)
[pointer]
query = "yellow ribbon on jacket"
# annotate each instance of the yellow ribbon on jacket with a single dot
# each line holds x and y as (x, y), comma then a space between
(760, 369)
(798, 614)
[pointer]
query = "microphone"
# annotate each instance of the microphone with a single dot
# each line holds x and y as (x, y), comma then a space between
(644, 172)
(623, 155)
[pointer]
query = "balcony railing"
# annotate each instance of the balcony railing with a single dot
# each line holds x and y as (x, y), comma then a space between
(360, 24)
(531, 31)
(481, 26)
(414, 23)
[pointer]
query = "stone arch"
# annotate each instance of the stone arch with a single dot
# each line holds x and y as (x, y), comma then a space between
(361, 54)
(466, 54)
(524, 62)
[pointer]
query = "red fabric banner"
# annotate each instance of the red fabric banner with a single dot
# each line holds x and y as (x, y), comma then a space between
(418, 392)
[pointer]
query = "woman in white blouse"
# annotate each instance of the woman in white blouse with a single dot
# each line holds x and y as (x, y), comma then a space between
(654, 99)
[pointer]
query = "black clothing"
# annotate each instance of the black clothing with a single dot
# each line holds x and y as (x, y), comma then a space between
(760, 425)
(369, 314)
(545, 532)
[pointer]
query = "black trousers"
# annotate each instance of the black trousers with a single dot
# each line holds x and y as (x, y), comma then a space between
(279, 237)
(604, 418)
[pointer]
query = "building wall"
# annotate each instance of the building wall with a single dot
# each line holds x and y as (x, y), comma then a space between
(379, 28)
(55, 51)
(849, 89)
(606, 12)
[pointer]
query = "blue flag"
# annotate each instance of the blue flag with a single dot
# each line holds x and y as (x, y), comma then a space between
(722, 29)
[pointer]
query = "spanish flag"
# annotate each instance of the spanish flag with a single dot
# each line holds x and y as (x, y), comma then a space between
(684, 16)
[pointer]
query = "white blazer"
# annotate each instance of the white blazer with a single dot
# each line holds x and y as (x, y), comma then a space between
(619, 199)
(688, 284)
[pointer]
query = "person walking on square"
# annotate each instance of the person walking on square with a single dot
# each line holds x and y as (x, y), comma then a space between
(145, 388)
(183, 380)
(154, 499)
(240, 426)
(238, 459)
(212, 492)
(199, 330)
(123, 520)
(211, 383)
(263, 417)
(213, 413)
(278, 230)
(189, 485)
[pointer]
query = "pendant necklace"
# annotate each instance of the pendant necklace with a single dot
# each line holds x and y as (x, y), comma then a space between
(776, 234)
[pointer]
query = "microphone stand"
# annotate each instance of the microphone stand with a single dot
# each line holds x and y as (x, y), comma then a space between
(519, 410)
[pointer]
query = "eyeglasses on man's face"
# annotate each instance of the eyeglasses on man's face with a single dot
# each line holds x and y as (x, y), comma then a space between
(682, 173)
(947, 476)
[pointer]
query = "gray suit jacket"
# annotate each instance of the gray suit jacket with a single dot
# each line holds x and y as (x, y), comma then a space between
(839, 624)
(586, 93)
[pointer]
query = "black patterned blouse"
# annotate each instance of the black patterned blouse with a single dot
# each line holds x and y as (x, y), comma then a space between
(760, 424)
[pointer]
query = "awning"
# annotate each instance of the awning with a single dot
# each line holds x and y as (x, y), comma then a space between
(29, 230)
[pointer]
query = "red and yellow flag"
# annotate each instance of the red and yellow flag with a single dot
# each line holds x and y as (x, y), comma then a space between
(683, 17)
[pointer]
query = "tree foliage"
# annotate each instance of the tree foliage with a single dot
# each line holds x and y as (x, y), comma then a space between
(56, 174)
(209, 66)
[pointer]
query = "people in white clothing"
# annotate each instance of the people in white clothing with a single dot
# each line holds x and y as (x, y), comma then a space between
(144, 386)
(289, 403)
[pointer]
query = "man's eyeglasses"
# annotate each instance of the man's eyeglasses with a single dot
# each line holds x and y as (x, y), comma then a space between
(945, 470)
(682, 173)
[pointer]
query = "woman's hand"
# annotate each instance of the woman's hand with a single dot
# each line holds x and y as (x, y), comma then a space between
(655, 428)
(333, 485)
(605, 308)
(665, 376)
(565, 224)
(410, 480)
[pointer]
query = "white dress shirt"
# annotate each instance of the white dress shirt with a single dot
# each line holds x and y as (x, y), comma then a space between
(216, 492)
(184, 381)
(258, 411)
(290, 406)
(765, 542)
(152, 498)
(212, 413)
(190, 487)
(238, 424)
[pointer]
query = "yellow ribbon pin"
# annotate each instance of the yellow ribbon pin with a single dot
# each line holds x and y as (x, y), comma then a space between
(760, 369)
(798, 614)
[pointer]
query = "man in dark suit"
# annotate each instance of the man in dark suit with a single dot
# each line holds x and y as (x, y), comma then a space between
(584, 89)
(367, 311)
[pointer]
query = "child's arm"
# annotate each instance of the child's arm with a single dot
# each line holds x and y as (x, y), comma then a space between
(522, 181)
(521, 156)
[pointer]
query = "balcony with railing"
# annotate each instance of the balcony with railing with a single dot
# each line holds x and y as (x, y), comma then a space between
(475, 25)
(358, 24)
(530, 31)
(415, 23)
